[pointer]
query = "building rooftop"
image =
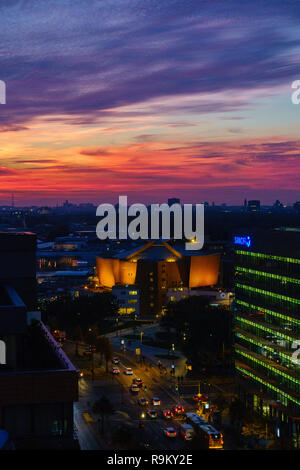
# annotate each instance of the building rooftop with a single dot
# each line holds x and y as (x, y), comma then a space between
(159, 250)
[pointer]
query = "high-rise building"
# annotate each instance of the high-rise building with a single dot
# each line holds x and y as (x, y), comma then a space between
(38, 383)
(297, 206)
(267, 325)
(253, 206)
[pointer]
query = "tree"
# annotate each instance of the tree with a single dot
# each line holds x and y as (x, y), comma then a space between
(203, 332)
(103, 346)
(77, 336)
(104, 408)
(92, 335)
(67, 312)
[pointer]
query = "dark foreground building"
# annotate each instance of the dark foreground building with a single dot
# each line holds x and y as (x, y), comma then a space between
(38, 383)
(267, 320)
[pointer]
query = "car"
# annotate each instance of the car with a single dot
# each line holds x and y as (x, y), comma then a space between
(128, 371)
(138, 382)
(155, 401)
(143, 402)
(152, 414)
(87, 352)
(134, 389)
(178, 410)
(170, 432)
(115, 370)
(168, 414)
(115, 360)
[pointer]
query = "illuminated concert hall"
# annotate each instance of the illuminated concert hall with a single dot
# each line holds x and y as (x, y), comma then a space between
(154, 269)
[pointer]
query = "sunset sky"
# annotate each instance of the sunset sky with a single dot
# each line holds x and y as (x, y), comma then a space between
(150, 99)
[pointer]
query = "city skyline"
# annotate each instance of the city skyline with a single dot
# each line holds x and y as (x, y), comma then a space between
(149, 100)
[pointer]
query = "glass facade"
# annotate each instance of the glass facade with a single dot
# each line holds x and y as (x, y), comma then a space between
(267, 327)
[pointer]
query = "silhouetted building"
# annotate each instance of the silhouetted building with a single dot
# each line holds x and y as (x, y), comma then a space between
(253, 206)
(297, 206)
(38, 383)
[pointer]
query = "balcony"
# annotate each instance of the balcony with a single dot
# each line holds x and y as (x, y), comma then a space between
(47, 376)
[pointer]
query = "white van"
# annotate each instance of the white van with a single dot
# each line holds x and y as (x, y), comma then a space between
(186, 431)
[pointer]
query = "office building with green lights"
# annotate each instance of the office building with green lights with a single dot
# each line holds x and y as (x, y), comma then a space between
(267, 326)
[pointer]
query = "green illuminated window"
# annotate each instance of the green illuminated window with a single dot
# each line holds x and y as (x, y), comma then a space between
(270, 294)
(268, 385)
(268, 275)
(265, 328)
(269, 312)
(269, 367)
(265, 256)
(261, 345)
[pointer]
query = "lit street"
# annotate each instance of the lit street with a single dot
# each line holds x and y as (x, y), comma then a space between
(127, 409)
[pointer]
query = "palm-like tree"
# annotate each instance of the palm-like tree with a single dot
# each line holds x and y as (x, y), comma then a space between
(103, 346)
(77, 336)
(104, 408)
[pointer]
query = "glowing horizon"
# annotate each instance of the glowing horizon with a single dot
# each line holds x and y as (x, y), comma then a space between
(152, 100)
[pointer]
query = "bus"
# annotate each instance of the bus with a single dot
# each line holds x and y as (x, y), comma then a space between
(211, 436)
(207, 434)
(195, 420)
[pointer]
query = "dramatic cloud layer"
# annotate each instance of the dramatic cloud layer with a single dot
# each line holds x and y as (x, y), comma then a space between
(150, 98)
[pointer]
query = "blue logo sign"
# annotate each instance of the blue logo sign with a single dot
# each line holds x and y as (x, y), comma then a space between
(243, 241)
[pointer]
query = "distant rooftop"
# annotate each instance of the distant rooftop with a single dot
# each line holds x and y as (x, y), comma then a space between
(159, 250)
